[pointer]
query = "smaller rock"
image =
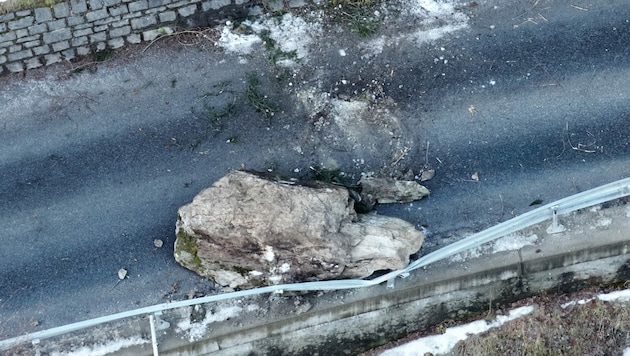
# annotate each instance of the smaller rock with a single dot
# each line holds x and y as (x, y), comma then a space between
(408, 175)
(158, 243)
(426, 174)
(387, 190)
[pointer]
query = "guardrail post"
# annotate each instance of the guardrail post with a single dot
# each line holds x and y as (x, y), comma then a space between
(391, 282)
(555, 226)
(161, 325)
(153, 335)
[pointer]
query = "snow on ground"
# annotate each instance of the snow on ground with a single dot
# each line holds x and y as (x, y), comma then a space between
(196, 330)
(439, 18)
(444, 343)
(432, 20)
(292, 36)
(104, 349)
(616, 296)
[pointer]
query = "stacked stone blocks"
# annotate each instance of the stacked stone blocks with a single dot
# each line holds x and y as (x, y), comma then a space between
(42, 36)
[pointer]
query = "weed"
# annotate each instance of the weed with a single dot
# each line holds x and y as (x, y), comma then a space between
(194, 144)
(275, 54)
(364, 26)
(270, 166)
(268, 42)
(216, 114)
(257, 99)
(102, 56)
(213, 107)
(85, 68)
(361, 14)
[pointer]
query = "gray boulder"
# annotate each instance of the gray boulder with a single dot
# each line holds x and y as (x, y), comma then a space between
(249, 230)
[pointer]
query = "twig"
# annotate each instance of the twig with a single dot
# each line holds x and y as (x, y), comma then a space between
(579, 147)
(88, 64)
(167, 35)
(402, 155)
(579, 8)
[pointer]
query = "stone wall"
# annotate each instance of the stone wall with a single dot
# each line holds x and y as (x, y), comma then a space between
(46, 35)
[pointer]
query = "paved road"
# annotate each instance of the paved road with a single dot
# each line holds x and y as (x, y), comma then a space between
(532, 97)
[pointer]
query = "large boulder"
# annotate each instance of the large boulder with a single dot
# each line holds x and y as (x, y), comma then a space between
(249, 230)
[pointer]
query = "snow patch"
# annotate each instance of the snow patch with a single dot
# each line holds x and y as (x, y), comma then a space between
(444, 343)
(268, 254)
(103, 349)
(439, 19)
(285, 268)
(617, 296)
(197, 330)
(372, 47)
(290, 33)
(237, 43)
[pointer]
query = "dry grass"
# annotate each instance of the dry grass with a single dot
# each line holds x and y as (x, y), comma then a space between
(16, 5)
(594, 328)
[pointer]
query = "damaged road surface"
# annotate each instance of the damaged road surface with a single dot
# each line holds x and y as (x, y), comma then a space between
(509, 104)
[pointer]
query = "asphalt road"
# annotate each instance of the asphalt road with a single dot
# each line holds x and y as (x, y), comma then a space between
(532, 97)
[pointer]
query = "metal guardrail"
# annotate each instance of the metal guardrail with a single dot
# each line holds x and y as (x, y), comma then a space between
(611, 191)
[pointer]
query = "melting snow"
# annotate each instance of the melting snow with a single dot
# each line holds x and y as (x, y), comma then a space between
(198, 329)
(443, 343)
(104, 349)
(440, 18)
(268, 254)
(290, 33)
